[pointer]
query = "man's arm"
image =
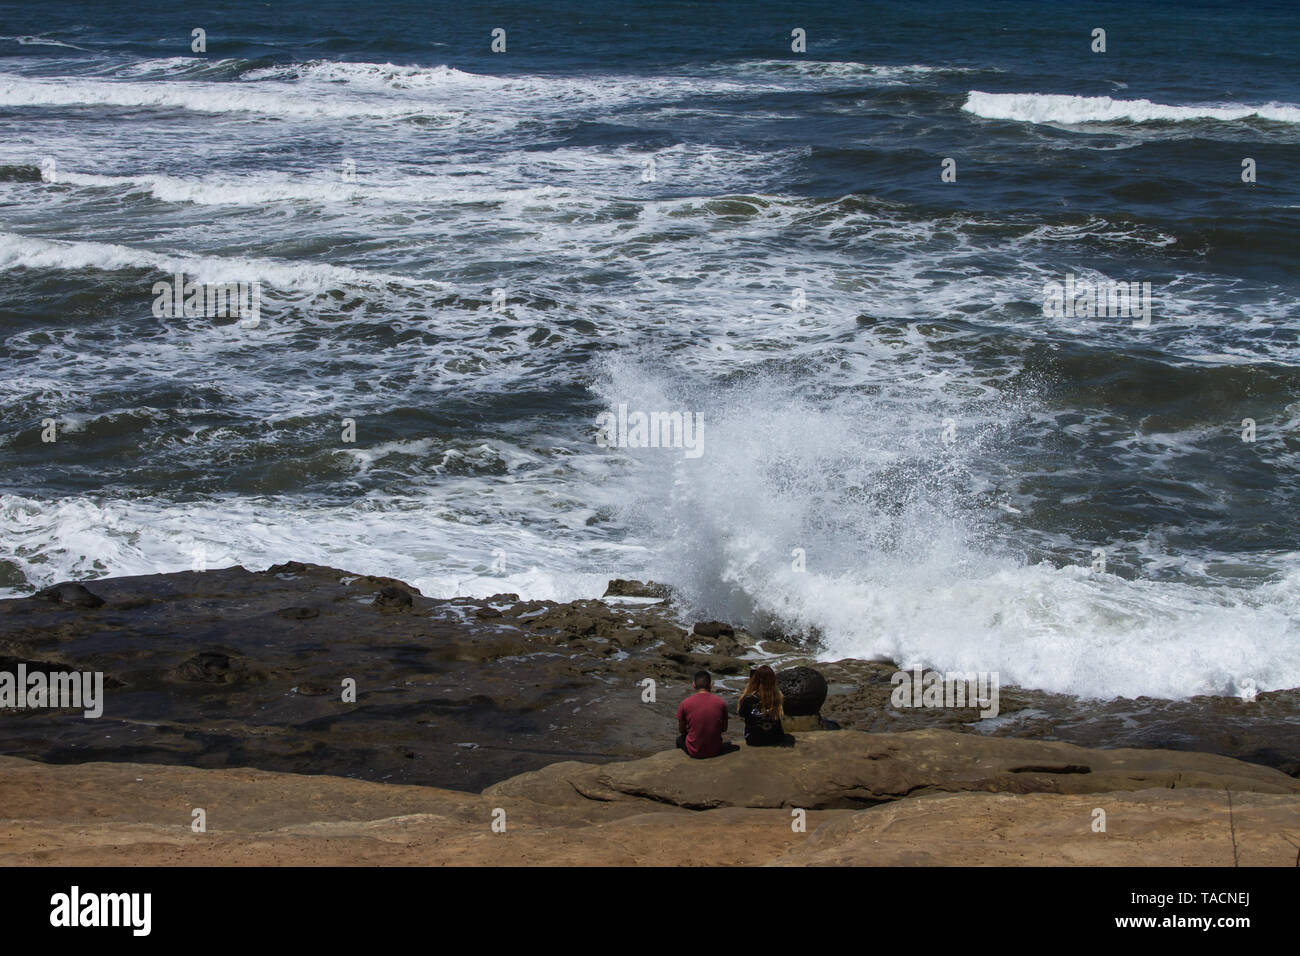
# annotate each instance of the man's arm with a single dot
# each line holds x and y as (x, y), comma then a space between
(681, 725)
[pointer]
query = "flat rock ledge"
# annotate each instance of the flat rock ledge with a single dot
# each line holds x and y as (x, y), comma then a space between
(849, 769)
(929, 797)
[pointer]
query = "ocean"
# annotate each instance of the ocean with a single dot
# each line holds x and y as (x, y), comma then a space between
(838, 261)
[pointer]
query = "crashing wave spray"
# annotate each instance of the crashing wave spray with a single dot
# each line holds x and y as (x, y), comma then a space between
(843, 515)
(799, 508)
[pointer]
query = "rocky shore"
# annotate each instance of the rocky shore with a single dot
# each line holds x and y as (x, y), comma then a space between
(928, 797)
(323, 717)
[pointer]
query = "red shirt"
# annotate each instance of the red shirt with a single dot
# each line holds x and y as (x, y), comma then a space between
(706, 718)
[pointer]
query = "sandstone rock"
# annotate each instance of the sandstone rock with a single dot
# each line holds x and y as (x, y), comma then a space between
(126, 813)
(804, 724)
(96, 814)
(852, 769)
(1180, 827)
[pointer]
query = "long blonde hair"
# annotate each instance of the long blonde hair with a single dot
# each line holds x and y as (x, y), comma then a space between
(762, 684)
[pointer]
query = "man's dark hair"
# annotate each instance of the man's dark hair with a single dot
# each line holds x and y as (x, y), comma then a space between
(702, 680)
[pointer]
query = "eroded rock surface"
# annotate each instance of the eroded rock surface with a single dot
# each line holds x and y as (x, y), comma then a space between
(232, 668)
(946, 799)
(848, 769)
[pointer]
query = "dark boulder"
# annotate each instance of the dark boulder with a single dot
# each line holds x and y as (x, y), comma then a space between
(72, 594)
(804, 690)
(392, 596)
(714, 629)
(208, 667)
(298, 613)
(220, 666)
(527, 607)
(641, 589)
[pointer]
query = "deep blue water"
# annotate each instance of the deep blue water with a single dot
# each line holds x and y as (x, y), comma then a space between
(682, 213)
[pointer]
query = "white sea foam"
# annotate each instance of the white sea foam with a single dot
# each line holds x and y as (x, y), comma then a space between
(405, 83)
(19, 251)
(392, 78)
(328, 187)
(42, 41)
(446, 82)
(346, 88)
(205, 97)
(175, 66)
(436, 550)
(554, 177)
(1067, 110)
(849, 70)
(386, 77)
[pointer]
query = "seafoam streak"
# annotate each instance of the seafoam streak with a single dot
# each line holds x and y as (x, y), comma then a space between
(1066, 109)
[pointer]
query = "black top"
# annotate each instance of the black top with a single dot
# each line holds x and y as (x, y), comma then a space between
(760, 727)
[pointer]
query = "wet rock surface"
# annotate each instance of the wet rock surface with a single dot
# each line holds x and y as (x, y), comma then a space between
(643, 589)
(233, 668)
(1265, 730)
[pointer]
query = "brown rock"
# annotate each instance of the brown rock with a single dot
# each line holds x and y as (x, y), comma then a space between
(853, 769)
(1180, 827)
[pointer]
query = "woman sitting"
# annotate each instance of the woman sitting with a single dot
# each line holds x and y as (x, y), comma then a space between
(760, 706)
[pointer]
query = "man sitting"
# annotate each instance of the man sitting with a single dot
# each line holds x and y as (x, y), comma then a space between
(701, 719)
